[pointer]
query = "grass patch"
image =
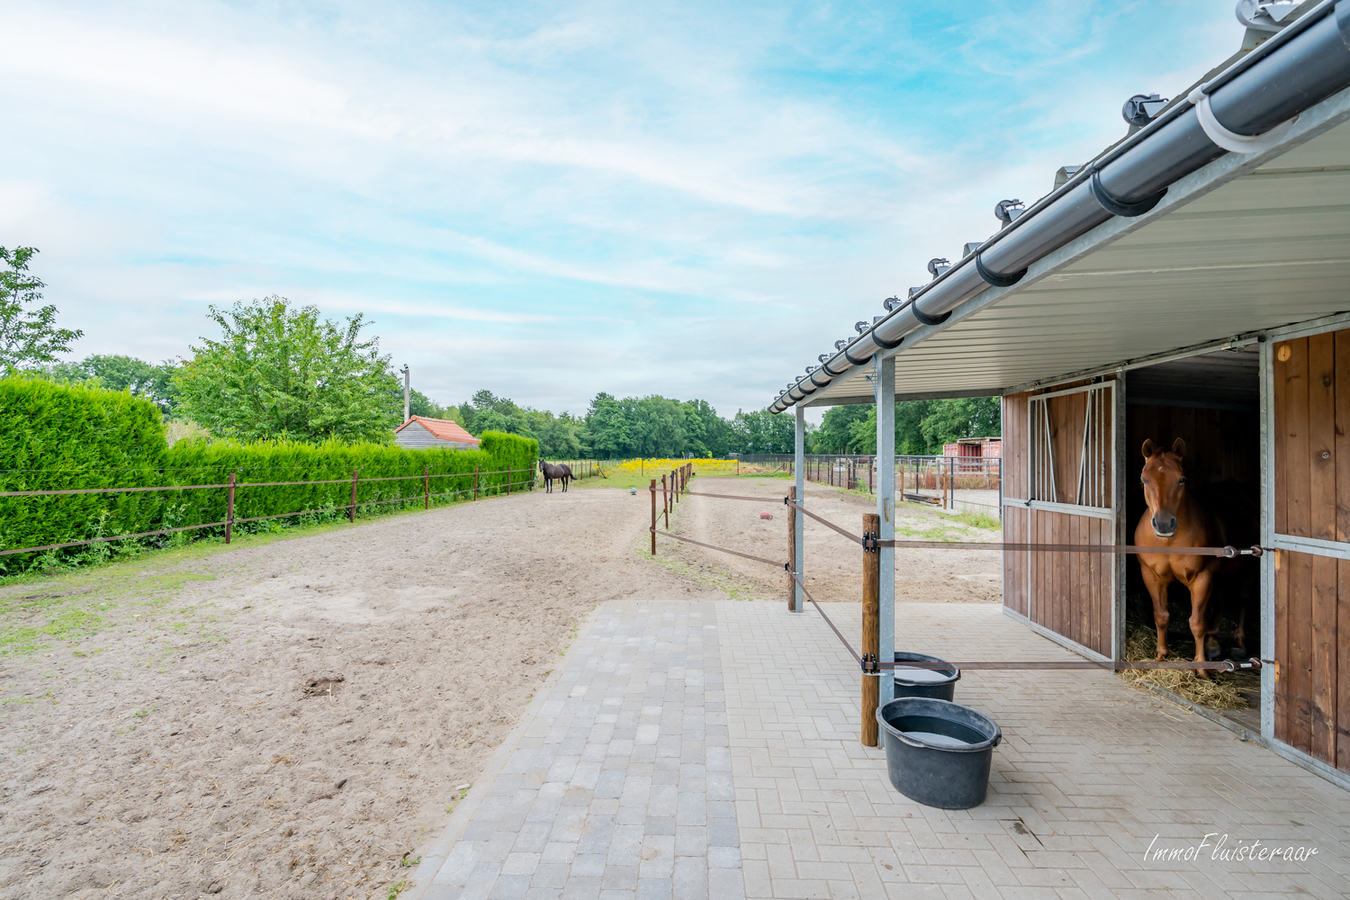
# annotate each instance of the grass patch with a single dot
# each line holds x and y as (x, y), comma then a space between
(976, 519)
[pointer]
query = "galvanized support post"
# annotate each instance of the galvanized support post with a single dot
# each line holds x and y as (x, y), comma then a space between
(665, 502)
(229, 509)
(426, 486)
(351, 512)
(871, 627)
(475, 482)
(792, 548)
(1269, 561)
(885, 394)
(798, 534)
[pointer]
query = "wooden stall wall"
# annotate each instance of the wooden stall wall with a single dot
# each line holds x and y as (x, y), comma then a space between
(1071, 594)
(1015, 487)
(1312, 590)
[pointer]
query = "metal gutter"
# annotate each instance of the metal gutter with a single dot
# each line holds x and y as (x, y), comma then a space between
(1243, 108)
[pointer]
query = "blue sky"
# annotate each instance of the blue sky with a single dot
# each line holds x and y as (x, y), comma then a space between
(550, 199)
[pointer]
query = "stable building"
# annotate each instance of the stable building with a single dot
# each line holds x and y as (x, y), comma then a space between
(1192, 281)
(422, 433)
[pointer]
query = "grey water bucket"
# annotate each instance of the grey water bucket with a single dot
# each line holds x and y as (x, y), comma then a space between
(939, 684)
(937, 752)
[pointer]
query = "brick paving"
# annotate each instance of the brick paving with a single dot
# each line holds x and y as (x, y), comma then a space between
(710, 749)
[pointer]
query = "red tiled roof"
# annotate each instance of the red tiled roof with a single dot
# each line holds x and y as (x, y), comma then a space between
(444, 429)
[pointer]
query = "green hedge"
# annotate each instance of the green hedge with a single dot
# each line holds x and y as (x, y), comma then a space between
(262, 463)
(55, 437)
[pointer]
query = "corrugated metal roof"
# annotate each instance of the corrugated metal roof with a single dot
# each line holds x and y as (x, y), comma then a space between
(1226, 254)
(443, 429)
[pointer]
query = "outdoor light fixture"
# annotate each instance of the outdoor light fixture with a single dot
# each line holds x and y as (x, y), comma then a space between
(1008, 210)
(1140, 109)
(860, 327)
(937, 266)
(891, 303)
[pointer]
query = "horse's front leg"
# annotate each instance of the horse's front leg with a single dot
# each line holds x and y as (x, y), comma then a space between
(1157, 589)
(1201, 586)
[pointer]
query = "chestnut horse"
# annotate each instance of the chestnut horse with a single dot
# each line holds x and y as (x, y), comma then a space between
(1176, 517)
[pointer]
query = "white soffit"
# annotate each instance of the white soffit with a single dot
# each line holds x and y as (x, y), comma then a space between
(1269, 248)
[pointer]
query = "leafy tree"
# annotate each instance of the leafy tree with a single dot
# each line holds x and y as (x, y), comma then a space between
(280, 373)
(28, 337)
(964, 417)
(137, 377)
(607, 422)
(923, 426)
(762, 432)
(420, 404)
(836, 434)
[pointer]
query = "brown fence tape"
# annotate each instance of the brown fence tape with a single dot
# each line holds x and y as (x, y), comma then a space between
(769, 562)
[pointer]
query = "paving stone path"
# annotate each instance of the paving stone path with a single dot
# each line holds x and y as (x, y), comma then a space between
(695, 749)
(621, 785)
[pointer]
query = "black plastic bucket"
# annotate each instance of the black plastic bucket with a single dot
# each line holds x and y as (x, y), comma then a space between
(940, 684)
(938, 753)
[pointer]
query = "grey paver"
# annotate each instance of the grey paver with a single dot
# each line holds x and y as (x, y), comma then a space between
(673, 759)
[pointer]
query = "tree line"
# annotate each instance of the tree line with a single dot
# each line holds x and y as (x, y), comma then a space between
(276, 371)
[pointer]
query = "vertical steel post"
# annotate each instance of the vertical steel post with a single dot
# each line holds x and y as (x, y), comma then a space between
(665, 502)
(792, 548)
(229, 509)
(799, 486)
(475, 482)
(870, 629)
(653, 490)
(351, 512)
(885, 393)
(426, 486)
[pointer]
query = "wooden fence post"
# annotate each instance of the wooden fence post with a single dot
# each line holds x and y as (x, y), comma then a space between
(871, 628)
(665, 502)
(792, 545)
(426, 486)
(229, 509)
(475, 482)
(351, 512)
(653, 490)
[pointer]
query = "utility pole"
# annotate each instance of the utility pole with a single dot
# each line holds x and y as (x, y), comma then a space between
(407, 392)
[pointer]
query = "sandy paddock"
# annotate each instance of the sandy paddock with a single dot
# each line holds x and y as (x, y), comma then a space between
(833, 565)
(293, 717)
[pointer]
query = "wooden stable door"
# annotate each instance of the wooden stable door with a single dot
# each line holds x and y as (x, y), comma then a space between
(1060, 488)
(1310, 453)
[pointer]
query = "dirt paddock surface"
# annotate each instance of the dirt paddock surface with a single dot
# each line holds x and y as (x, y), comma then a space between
(294, 717)
(833, 565)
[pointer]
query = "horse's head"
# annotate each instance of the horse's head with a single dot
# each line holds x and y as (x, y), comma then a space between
(1164, 481)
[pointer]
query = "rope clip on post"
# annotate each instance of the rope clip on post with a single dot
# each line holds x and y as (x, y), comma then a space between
(870, 542)
(870, 664)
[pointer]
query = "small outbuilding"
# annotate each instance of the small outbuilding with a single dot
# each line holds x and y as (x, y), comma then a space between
(421, 433)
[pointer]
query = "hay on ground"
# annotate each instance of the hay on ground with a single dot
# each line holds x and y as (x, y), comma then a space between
(1218, 692)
